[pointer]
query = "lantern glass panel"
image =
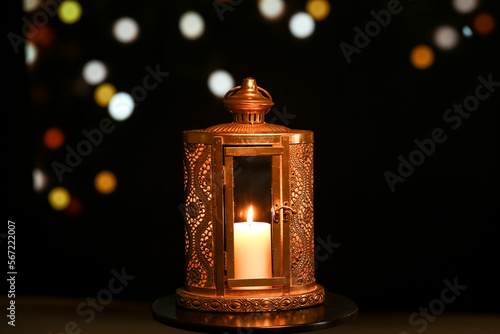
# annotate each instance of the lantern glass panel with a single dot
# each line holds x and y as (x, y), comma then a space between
(252, 187)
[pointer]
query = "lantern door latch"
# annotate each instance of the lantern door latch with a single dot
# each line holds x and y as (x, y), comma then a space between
(286, 212)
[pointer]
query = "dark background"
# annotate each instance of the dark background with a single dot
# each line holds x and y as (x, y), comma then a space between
(396, 248)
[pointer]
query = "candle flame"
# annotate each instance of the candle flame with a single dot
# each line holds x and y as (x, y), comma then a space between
(250, 215)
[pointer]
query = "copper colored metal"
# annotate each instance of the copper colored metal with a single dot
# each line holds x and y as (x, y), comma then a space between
(209, 156)
(336, 311)
(248, 105)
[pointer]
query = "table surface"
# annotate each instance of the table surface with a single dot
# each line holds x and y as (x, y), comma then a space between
(61, 315)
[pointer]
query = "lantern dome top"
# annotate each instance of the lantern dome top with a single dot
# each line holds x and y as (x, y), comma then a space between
(247, 104)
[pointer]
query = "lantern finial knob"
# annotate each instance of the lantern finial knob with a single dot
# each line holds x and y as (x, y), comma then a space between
(247, 104)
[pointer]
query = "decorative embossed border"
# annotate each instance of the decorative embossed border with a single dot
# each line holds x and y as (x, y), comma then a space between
(249, 304)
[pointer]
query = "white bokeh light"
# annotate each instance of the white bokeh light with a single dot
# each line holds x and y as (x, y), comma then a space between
(121, 106)
(301, 25)
(271, 9)
(191, 25)
(126, 30)
(94, 72)
(31, 53)
(465, 6)
(446, 37)
(39, 180)
(220, 82)
(30, 5)
(467, 31)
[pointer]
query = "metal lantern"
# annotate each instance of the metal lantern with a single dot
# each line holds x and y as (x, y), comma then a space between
(233, 171)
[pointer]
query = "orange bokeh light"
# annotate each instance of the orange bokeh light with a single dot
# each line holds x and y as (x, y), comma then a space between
(105, 182)
(318, 9)
(53, 138)
(422, 57)
(484, 23)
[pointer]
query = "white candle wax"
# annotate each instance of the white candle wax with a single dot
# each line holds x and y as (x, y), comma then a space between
(252, 250)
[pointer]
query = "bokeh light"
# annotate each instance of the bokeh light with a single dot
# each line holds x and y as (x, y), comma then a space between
(103, 94)
(69, 11)
(31, 53)
(484, 23)
(105, 182)
(94, 72)
(75, 207)
(318, 9)
(220, 82)
(191, 25)
(422, 57)
(53, 138)
(301, 25)
(271, 9)
(45, 36)
(446, 37)
(30, 5)
(39, 180)
(121, 106)
(59, 198)
(465, 6)
(467, 31)
(126, 30)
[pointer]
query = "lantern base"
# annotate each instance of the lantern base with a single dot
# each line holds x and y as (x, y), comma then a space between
(335, 311)
(256, 303)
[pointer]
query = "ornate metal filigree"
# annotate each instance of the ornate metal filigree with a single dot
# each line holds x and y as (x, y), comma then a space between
(198, 225)
(302, 226)
(250, 304)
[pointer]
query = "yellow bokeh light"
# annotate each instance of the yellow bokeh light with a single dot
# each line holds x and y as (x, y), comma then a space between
(103, 94)
(105, 182)
(69, 11)
(59, 198)
(318, 9)
(422, 57)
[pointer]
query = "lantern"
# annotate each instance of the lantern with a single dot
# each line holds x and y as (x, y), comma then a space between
(249, 227)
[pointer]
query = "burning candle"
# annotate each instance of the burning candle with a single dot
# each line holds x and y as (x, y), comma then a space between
(252, 249)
